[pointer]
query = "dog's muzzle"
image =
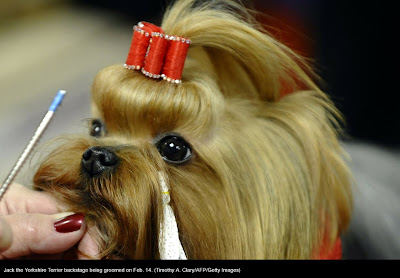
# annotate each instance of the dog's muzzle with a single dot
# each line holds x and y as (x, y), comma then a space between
(97, 160)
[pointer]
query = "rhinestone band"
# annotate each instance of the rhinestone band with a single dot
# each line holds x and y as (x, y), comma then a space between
(173, 67)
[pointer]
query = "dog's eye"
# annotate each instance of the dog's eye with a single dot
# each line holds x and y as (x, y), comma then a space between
(97, 129)
(174, 149)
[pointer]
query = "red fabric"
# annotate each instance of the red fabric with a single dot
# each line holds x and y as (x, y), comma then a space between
(142, 34)
(333, 253)
(138, 49)
(175, 58)
(157, 53)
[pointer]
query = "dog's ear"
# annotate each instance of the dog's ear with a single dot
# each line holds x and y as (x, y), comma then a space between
(312, 125)
(246, 61)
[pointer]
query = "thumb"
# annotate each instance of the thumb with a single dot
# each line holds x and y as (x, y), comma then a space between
(5, 235)
(43, 234)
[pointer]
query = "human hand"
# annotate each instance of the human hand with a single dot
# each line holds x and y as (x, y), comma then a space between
(32, 227)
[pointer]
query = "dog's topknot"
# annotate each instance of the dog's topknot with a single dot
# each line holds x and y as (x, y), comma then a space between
(245, 60)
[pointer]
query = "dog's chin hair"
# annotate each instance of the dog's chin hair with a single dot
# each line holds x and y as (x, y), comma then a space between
(124, 204)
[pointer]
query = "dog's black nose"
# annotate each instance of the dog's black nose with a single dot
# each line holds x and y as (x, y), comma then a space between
(97, 160)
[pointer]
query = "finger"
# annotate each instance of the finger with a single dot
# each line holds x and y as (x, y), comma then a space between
(88, 247)
(20, 199)
(43, 234)
(5, 235)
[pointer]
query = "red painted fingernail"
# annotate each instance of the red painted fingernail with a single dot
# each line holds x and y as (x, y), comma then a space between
(68, 224)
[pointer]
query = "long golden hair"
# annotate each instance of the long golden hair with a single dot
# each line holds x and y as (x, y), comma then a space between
(267, 178)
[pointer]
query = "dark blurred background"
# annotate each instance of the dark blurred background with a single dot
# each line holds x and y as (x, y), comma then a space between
(49, 45)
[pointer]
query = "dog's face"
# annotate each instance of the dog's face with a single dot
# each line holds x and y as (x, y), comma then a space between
(249, 175)
(112, 174)
(240, 186)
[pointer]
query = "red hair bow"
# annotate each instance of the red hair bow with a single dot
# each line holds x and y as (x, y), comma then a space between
(156, 54)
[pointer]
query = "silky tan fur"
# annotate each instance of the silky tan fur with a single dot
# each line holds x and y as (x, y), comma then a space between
(267, 179)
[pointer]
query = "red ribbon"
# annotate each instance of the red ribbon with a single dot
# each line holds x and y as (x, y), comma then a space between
(156, 54)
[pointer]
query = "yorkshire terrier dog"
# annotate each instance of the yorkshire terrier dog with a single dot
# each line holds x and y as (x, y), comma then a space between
(194, 153)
